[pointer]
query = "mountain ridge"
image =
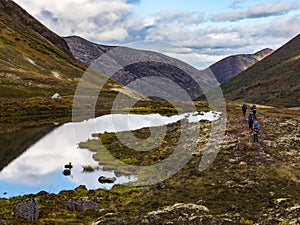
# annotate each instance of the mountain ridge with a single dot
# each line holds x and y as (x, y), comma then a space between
(36, 63)
(88, 52)
(17, 13)
(272, 81)
(147, 64)
(229, 67)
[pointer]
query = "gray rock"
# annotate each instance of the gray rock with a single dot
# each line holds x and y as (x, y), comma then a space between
(103, 179)
(81, 205)
(28, 210)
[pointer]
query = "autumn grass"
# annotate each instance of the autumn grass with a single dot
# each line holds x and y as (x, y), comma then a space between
(241, 186)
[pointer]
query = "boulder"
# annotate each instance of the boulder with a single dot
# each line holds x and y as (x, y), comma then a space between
(28, 210)
(103, 179)
(67, 172)
(81, 205)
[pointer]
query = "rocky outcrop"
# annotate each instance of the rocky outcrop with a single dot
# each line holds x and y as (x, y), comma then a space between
(181, 211)
(28, 210)
(81, 205)
(103, 179)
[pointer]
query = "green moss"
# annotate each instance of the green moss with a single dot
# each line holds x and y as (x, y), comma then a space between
(246, 222)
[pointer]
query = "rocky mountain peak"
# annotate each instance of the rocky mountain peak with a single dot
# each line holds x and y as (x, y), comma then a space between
(263, 53)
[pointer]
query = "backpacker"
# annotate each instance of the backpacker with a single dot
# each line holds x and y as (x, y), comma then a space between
(255, 128)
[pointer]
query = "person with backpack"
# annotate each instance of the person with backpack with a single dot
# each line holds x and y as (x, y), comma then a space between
(250, 120)
(255, 131)
(253, 108)
(244, 108)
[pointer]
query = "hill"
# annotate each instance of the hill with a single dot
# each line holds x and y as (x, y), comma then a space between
(272, 81)
(88, 52)
(148, 63)
(35, 63)
(231, 66)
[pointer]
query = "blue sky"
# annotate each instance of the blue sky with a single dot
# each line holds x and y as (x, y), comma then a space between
(199, 32)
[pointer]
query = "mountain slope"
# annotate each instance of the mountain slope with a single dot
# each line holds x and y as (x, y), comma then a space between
(272, 81)
(16, 13)
(33, 60)
(87, 52)
(231, 66)
(35, 63)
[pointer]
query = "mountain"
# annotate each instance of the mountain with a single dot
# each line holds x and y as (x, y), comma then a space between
(146, 64)
(36, 63)
(272, 81)
(87, 53)
(231, 66)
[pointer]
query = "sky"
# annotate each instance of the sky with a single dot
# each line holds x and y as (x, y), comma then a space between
(199, 32)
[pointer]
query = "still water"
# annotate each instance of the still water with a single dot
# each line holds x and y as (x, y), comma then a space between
(40, 166)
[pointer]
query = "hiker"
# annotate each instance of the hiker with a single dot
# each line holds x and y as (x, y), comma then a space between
(255, 131)
(250, 120)
(244, 108)
(253, 108)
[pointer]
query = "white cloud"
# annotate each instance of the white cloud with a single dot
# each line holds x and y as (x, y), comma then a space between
(183, 17)
(103, 20)
(285, 27)
(258, 11)
(114, 22)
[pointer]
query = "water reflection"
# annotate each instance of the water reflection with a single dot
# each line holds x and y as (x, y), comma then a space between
(40, 166)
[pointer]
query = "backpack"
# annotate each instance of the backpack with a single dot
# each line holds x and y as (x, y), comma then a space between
(255, 129)
(250, 118)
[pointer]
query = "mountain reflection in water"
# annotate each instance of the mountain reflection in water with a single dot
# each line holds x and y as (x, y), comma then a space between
(40, 166)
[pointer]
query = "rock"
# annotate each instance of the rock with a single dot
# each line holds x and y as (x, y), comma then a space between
(81, 188)
(42, 193)
(103, 179)
(177, 209)
(28, 210)
(242, 163)
(294, 208)
(69, 166)
(177, 214)
(81, 205)
(67, 172)
(280, 200)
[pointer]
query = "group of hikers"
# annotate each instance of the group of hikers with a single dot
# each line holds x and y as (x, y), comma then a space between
(252, 121)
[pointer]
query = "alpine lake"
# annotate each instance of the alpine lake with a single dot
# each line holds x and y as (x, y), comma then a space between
(50, 157)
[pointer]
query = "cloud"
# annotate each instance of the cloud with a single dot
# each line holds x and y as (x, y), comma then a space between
(181, 17)
(258, 11)
(286, 28)
(114, 22)
(91, 19)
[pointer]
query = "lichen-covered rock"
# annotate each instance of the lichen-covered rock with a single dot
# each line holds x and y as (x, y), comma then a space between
(179, 212)
(28, 210)
(81, 205)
